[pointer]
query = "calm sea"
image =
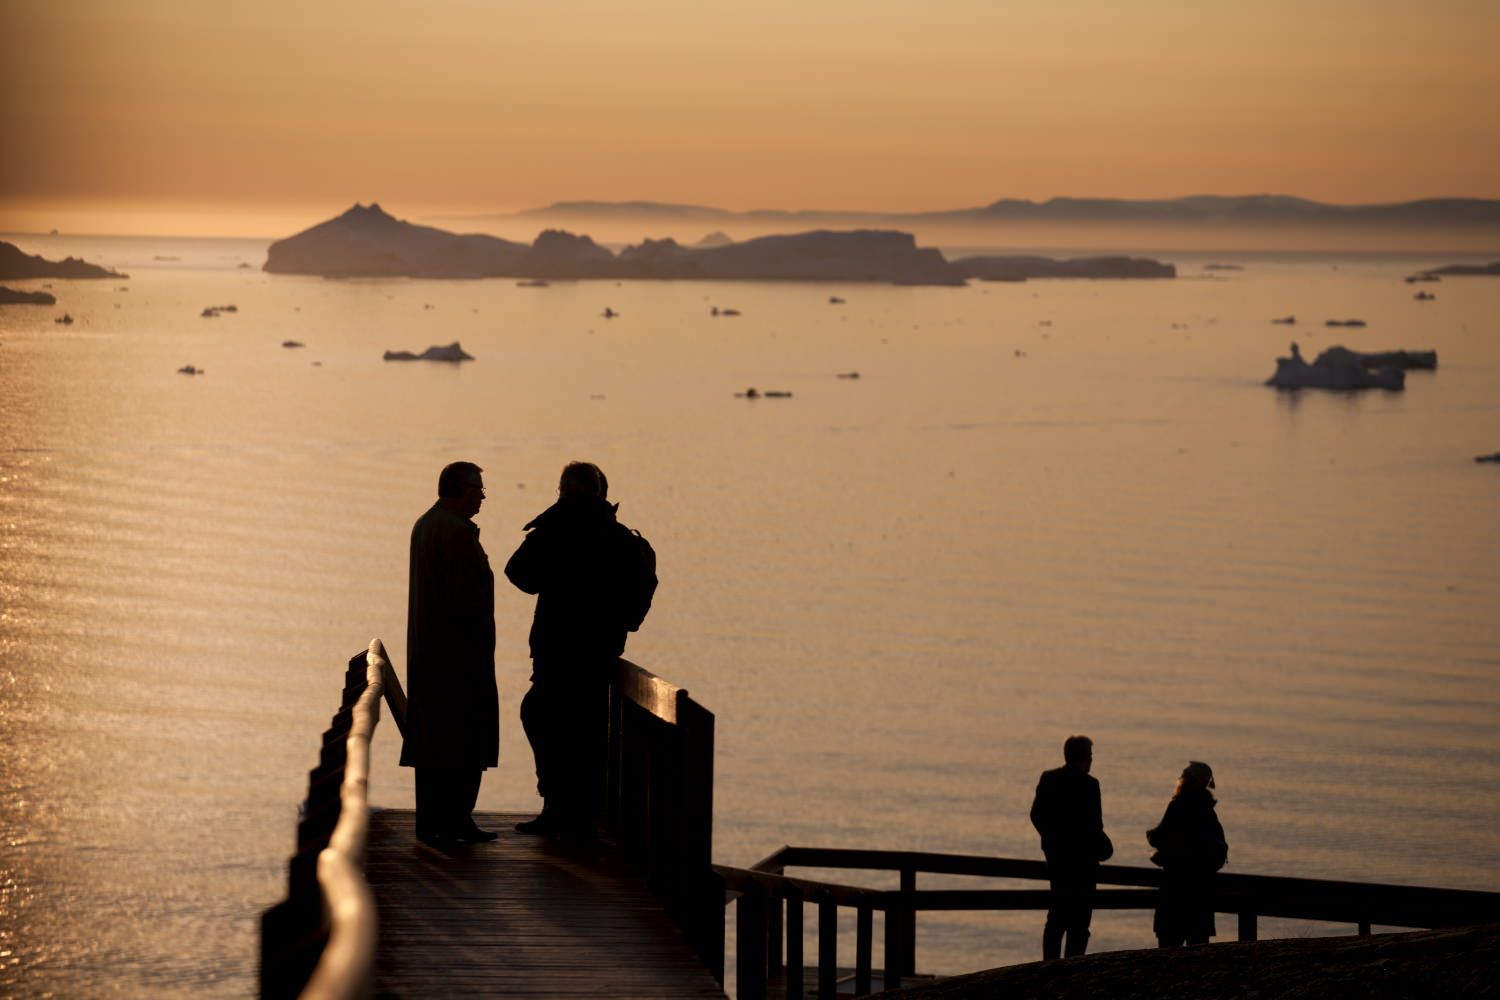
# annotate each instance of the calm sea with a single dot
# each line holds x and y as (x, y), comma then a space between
(1041, 509)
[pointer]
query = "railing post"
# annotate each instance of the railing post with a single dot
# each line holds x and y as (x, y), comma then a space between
(895, 951)
(750, 942)
(1248, 929)
(908, 966)
(704, 912)
(796, 967)
(863, 932)
(828, 947)
(773, 936)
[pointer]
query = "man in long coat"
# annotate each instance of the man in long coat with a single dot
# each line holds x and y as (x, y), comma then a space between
(453, 708)
(1068, 814)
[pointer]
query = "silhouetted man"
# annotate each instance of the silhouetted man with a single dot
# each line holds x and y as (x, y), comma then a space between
(452, 709)
(1068, 814)
(590, 578)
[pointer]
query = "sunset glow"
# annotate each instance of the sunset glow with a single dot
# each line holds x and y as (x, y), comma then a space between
(179, 116)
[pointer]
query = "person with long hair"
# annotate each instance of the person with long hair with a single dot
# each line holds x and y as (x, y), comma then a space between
(1190, 847)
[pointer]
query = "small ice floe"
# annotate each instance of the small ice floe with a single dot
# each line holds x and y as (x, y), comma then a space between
(609, 313)
(191, 370)
(292, 343)
(452, 352)
(835, 300)
(1488, 458)
(1286, 320)
(848, 375)
(1344, 322)
(209, 312)
(64, 318)
(753, 393)
(716, 311)
(1424, 296)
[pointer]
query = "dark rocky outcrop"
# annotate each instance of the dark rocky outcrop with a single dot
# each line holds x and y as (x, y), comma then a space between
(1022, 268)
(559, 254)
(451, 352)
(856, 255)
(823, 255)
(1450, 962)
(15, 264)
(1466, 269)
(368, 242)
(14, 297)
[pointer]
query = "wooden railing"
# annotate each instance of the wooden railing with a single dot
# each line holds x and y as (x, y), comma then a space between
(319, 943)
(769, 908)
(659, 801)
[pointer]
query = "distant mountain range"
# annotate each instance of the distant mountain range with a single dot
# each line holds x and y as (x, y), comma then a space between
(1263, 209)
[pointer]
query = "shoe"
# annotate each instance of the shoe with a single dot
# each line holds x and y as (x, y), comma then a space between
(477, 835)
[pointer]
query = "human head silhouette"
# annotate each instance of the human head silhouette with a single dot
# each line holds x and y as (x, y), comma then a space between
(461, 487)
(1079, 751)
(1197, 775)
(583, 479)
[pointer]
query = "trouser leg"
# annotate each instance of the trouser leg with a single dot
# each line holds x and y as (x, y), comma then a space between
(538, 719)
(430, 818)
(445, 799)
(1067, 929)
(465, 796)
(567, 726)
(584, 722)
(1052, 936)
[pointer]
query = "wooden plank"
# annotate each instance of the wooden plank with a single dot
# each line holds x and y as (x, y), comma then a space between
(520, 917)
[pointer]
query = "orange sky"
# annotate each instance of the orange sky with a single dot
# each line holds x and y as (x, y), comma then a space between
(264, 117)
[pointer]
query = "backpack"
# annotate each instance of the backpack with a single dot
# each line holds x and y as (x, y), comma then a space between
(638, 583)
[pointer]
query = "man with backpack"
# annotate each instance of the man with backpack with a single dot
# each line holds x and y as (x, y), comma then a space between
(593, 579)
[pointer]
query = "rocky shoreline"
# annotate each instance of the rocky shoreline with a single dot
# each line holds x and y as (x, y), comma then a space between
(1448, 963)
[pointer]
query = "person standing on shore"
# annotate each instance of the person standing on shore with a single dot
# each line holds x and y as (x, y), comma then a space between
(593, 579)
(453, 707)
(1067, 812)
(1190, 847)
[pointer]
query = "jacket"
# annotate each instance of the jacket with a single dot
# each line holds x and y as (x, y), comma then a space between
(453, 708)
(1067, 813)
(1189, 837)
(580, 562)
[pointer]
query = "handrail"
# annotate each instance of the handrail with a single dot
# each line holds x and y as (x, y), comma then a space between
(762, 889)
(319, 943)
(346, 969)
(659, 798)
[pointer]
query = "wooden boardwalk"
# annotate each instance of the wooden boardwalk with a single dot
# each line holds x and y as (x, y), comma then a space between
(519, 917)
